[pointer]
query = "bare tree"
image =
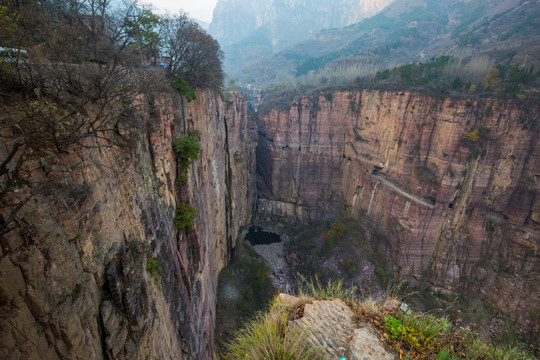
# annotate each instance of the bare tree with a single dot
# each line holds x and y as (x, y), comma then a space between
(192, 54)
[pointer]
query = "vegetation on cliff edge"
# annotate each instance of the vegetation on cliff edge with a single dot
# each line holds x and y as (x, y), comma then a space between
(408, 334)
(443, 76)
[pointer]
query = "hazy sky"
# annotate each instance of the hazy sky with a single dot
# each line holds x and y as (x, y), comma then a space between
(198, 9)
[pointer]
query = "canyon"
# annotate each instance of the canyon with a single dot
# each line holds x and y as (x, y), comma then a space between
(452, 184)
(95, 267)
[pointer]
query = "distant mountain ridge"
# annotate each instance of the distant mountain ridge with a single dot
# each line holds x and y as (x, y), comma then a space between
(409, 31)
(250, 29)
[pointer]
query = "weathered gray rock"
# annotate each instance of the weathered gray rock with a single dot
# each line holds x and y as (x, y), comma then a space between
(391, 305)
(330, 327)
(366, 346)
(287, 299)
(115, 327)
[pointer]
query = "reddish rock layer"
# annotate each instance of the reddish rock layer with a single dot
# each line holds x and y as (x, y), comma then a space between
(459, 214)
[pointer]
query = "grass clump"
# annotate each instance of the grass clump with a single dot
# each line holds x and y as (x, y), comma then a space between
(422, 333)
(269, 337)
(425, 336)
(185, 213)
(477, 349)
(327, 291)
(446, 354)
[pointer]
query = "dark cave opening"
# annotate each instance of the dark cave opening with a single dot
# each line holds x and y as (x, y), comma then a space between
(258, 237)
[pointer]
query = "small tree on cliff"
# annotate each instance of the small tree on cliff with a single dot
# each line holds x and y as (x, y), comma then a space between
(185, 213)
(187, 148)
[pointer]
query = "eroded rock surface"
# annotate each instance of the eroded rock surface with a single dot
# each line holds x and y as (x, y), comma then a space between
(366, 346)
(329, 326)
(95, 267)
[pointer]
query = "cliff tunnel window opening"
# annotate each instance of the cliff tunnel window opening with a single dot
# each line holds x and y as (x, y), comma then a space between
(376, 169)
(258, 237)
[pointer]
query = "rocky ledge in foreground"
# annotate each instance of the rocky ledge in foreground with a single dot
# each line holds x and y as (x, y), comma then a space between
(329, 325)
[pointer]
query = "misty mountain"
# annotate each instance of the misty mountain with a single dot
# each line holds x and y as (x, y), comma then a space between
(411, 31)
(251, 29)
(202, 24)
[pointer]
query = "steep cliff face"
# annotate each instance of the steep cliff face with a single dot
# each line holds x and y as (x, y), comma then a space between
(95, 267)
(453, 183)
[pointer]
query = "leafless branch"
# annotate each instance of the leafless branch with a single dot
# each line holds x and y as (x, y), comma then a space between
(4, 227)
(14, 149)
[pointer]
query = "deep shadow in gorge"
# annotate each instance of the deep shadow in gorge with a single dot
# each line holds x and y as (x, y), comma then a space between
(257, 236)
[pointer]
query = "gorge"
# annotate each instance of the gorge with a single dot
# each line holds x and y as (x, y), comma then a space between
(459, 212)
(460, 215)
(383, 155)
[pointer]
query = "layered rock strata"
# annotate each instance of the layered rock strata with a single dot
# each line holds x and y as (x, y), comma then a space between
(329, 326)
(453, 184)
(95, 267)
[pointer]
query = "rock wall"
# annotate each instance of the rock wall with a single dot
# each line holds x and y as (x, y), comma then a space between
(95, 267)
(459, 214)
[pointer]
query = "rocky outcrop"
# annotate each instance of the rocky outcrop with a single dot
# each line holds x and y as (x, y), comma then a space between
(94, 267)
(329, 326)
(453, 183)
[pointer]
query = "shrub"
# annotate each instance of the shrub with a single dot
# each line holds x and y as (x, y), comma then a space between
(184, 89)
(336, 232)
(185, 213)
(471, 136)
(332, 236)
(187, 148)
(492, 78)
(427, 174)
(153, 268)
(419, 332)
(358, 136)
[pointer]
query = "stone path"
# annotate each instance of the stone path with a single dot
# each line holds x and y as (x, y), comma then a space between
(399, 191)
(330, 326)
